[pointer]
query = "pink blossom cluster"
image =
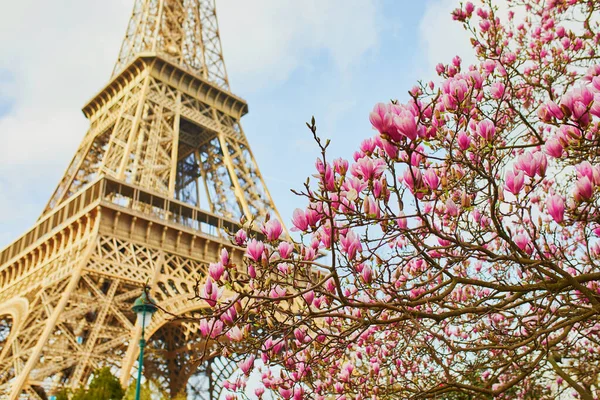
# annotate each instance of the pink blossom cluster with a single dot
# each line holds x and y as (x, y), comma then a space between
(455, 253)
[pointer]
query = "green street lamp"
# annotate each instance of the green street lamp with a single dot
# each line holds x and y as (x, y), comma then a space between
(144, 307)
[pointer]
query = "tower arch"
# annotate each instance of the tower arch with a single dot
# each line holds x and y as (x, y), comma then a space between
(177, 357)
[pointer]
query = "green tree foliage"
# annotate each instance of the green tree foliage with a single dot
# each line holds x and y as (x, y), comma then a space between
(104, 386)
(145, 391)
(150, 390)
(63, 394)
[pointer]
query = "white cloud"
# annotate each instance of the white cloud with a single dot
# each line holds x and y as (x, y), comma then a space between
(441, 37)
(57, 54)
(265, 40)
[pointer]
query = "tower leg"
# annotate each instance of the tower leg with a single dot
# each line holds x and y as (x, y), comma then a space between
(129, 359)
(49, 326)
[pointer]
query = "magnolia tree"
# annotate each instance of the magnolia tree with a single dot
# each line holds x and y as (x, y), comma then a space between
(457, 254)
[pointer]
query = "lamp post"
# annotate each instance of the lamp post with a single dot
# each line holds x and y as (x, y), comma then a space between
(144, 307)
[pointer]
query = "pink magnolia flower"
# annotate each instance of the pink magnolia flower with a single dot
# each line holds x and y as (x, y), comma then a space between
(406, 125)
(217, 329)
(497, 90)
(204, 328)
(586, 169)
(210, 328)
(532, 163)
(456, 90)
(215, 270)
(312, 216)
(526, 163)
(485, 25)
(272, 230)
(456, 61)
(320, 166)
(367, 147)
(299, 393)
(402, 221)
(285, 392)
(284, 268)
(380, 117)
(370, 207)
(354, 185)
(224, 257)
(556, 207)
(584, 94)
(340, 165)
(210, 292)
(277, 292)
(569, 133)
(309, 297)
(285, 249)
(366, 274)
(554, 148)
(595, 109)
(299, 220)
(486, 129)
(542, 163)
(591, 73)
(299, 334)
(247, 365)
(464, 141)
(255, 249)
(583, 189)
(431, 179)
(543, 114)
(229, 316)
(369, 168)
(309, 253)
(577, 103)
(413, 178)
(391, 149)
(330, 285)
(489, 66)
(326, 175)
(554, 110)
(350, 244)
(417, 156)
(523, 243)
(451, 208)
(514, 182)
(510, 57)
(469, 8)
(240, 237)
(235, 334)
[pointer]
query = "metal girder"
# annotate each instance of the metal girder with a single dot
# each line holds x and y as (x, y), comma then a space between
(184, 31)
(83, 321)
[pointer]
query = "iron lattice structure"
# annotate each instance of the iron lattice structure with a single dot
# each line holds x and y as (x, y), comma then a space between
(159, 179)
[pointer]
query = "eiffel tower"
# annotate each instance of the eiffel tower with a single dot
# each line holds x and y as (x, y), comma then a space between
(160, 178)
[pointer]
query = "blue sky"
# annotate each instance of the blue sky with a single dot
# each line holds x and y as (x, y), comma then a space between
(333, 59)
